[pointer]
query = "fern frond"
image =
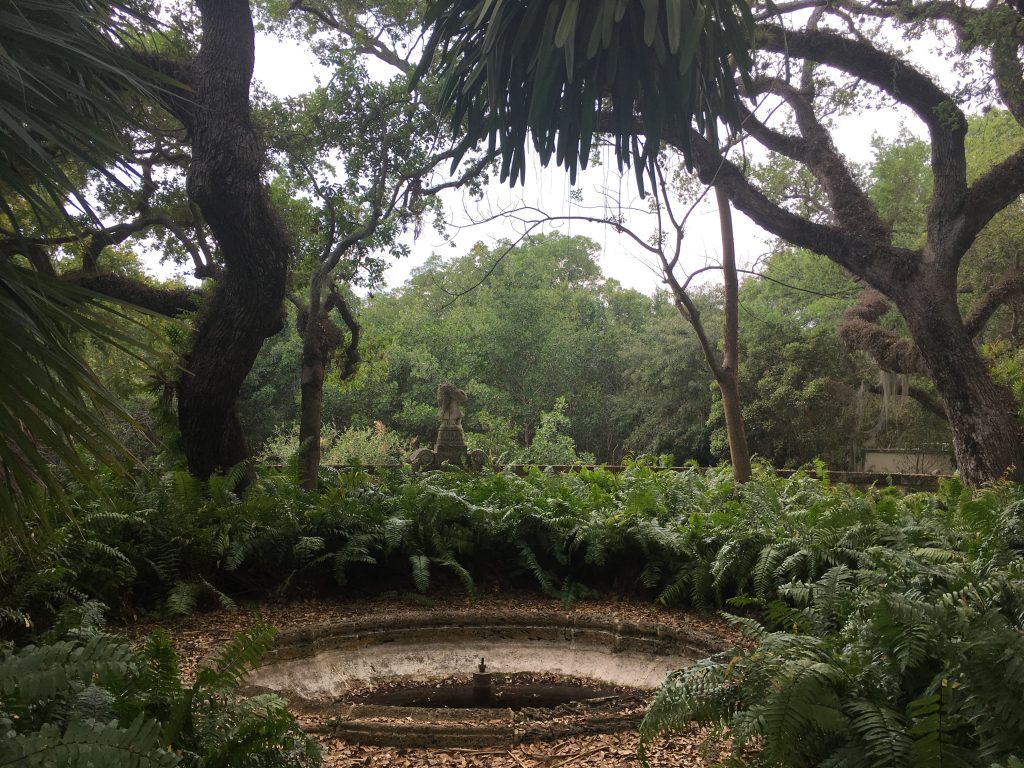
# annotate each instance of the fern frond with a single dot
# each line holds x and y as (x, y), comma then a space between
(420, 572)
(881, 732)
(87, 744)
(229, 666)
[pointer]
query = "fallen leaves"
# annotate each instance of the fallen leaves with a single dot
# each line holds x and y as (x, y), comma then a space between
(592, 751)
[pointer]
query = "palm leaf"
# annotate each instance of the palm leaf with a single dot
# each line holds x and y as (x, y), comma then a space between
(69, 87)
(53, 408)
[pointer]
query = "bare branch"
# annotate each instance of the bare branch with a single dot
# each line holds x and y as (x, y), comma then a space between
(371, 46)
(779, 9)
(945, 120)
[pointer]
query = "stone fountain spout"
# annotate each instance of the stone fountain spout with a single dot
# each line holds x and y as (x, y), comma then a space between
(483, 694)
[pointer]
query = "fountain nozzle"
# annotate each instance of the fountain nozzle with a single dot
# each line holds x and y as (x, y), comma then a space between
(482, 693)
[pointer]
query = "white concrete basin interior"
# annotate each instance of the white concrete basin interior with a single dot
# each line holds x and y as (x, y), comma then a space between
(328, 671)
(330, 661)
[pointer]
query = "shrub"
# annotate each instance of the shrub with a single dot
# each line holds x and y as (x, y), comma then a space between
(374, 445)
(889, 621)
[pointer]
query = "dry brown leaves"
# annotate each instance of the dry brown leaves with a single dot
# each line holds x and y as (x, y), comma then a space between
(598, 751)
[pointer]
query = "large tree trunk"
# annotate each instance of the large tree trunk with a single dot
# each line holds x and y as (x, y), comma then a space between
(225, 181)
(982, 414)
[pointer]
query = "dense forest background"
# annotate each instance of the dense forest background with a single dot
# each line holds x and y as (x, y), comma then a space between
(562, 364)
(285, 339)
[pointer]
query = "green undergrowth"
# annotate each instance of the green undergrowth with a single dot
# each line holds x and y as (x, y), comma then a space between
(83, 697)
(885, 628)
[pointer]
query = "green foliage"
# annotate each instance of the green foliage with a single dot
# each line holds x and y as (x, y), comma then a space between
(891, 629)
(53, 408)
(901, 186)
(361, 446)
(1007, 365)
(66, 93)
(91, 699)
(69, 91)
(544, 324)
(799, 387)
(667, 390)
(550, 443)
(902, 646)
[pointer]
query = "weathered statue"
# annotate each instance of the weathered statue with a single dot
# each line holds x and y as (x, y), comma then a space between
(450, 448)
(449, 398)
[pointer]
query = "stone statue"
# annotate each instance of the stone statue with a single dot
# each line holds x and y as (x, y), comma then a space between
(450, 448)
(449, 399)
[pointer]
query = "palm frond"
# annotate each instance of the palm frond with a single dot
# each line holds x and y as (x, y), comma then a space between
(53, 408)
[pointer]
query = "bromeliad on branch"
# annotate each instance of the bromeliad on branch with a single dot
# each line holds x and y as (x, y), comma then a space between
(560, 69)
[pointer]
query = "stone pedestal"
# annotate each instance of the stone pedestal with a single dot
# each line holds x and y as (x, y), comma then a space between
(451, 445)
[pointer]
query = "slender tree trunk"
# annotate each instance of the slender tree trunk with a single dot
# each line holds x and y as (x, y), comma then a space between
(321, 337)
(982, 414)
(310, 413)
(726, 374)
(225, 181)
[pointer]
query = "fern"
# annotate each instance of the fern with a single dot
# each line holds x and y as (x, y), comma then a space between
(227, 668)
(258, 728)
(463, 575)
(931, 730)
(38, 673)
(420, 572)
(186, 596)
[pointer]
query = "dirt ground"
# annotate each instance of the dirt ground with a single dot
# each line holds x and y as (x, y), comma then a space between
(198, 635)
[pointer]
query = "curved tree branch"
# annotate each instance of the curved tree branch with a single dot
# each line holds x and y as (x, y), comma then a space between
(350, 356)
(859, 330)
(988, 196)
(871, 260)
(945, 120)
(850, 205)
(924, 398)
(169, 302)
(1010, 286)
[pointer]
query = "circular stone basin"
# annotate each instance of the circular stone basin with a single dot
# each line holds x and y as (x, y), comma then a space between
(406, 680)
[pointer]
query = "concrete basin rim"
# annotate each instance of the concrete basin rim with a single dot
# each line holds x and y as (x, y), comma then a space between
(313, 638)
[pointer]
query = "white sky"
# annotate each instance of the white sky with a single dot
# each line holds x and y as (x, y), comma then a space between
(286, 68)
